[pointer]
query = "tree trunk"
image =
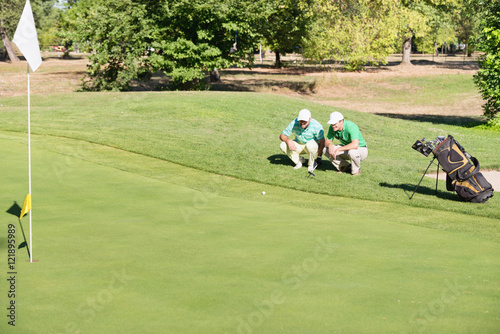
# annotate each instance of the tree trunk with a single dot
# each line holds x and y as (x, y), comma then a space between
(8, 46)
(406, 52)
(278, 59)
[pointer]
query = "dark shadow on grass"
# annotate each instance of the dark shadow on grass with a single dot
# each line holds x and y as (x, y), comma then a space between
(302, 87)
(280, 159)
(466, 121)
(450, 62)
(15, 210)
(76, 73)
(283, 159)
(422, 190)
(266, 77)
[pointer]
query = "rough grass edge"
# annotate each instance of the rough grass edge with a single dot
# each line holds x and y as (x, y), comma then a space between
(492, 125)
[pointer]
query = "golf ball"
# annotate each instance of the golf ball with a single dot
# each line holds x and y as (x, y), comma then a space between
(263, 193)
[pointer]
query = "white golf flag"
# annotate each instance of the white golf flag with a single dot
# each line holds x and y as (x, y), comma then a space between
(26, 38)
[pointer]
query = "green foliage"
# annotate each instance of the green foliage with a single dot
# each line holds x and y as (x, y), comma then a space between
(488, 76)
(285, 25)
(199, 37)
(421, 18)
(466, 19)
(492, 125)
(184, 39)
(356, 32)
(440, 28)
(413, 20)
(115, 32)
(46, 18)
(10, 12)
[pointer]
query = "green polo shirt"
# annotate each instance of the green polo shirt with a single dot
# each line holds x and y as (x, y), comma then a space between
(313, 132)
(349, 132)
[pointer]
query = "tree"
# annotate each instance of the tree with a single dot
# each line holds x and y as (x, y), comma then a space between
(416, 23)
(116, 32)
(186, 39)
(413, 23)
(75, 11)
(440, 26)
(488, 77)
(356, 31)
(199, 36)
(10, 12)
(46, 16)
(284, 25)
(466, 18)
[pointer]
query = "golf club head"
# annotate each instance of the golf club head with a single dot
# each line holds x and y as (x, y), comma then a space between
(315, 165)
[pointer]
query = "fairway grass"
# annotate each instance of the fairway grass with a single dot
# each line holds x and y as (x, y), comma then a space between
(236, 135)
(128, 243)
(432, 90)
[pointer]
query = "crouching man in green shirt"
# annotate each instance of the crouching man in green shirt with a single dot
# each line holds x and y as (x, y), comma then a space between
(352, 145)
(309, 139)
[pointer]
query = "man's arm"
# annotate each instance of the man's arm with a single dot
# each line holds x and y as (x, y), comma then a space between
(329, 146)
(351, 146)
(321, 146)
(289, 142)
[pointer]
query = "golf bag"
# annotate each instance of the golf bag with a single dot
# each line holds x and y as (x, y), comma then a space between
(462, 172)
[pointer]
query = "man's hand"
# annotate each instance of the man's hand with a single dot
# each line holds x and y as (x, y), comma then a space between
(332, 151)
(291, 145)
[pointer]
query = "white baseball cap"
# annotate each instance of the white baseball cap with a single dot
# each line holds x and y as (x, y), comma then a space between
(335, 117)
(304, 115)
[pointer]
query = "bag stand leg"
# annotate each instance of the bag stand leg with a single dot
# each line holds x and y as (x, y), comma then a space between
(437, 178)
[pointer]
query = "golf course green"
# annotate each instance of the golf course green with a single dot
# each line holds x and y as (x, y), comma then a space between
(148, 217)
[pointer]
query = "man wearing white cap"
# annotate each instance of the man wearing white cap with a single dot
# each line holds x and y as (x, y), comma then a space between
(309, 139)
(352, 145)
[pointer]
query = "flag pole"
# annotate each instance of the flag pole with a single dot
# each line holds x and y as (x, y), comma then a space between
(26, 40)
(29, 161)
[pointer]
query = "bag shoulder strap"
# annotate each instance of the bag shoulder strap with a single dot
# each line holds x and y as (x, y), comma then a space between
(464, 175)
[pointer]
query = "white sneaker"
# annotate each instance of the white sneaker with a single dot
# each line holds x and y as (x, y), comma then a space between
(298, 165)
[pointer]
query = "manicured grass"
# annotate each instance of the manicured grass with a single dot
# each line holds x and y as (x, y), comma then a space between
(125, 245)
(145, 221)
(236, 134)
(437, 90)
(430, 90)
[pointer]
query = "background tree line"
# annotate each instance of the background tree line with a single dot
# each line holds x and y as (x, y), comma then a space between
(189, 39)
(47, 18)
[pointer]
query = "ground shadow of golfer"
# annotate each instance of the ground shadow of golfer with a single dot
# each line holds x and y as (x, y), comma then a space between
(283, 159)
(422, 190)
(280, 159)
(15, 210)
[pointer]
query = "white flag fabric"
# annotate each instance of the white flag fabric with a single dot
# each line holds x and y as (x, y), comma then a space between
(26, 38)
